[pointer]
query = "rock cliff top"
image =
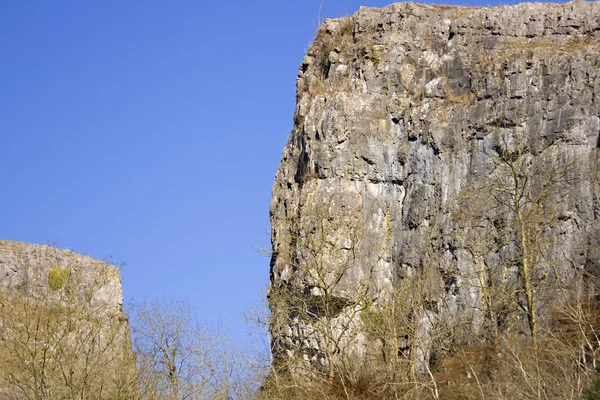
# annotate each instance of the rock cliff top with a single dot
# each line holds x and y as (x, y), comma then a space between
(29, 267)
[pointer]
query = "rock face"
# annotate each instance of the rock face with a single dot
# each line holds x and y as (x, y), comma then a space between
(62, 328)
(410, 123)
(28, 266)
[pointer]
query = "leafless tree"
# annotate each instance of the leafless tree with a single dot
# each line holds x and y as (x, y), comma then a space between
(179, 358)
(60, 339)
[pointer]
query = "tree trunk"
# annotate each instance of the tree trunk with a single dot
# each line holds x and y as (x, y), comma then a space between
(526, 270)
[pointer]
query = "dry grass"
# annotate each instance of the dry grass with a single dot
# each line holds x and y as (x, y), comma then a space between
(561, 368)
(464, 98)
(347, 26)
(547, 45)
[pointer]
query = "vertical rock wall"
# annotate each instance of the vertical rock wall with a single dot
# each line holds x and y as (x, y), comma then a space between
(404, 118)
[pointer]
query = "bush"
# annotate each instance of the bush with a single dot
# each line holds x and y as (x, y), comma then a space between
(57, 277)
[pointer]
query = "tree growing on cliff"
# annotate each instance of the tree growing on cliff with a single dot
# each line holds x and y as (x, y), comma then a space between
(329, 269)
(526, 193)
(404, 330)
(508, 223)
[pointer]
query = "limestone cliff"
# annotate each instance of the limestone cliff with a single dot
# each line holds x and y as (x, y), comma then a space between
(417, 131)
(63, 333)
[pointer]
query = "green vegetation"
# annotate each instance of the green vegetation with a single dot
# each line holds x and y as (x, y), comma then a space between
(593, 393)
(347, 26)
(58, 277)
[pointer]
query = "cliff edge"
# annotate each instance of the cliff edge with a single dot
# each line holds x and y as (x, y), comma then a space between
(443, 162)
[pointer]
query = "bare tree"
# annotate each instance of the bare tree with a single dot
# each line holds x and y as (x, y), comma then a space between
(60, 336)
(179, 358)
(326, 284)
(512, 215)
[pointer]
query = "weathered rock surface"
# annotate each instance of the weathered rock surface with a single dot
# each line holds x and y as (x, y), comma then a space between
(62, 329)
(25, 268)
(404, 117)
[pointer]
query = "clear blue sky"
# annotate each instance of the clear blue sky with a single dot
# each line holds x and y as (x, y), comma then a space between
(151, 131)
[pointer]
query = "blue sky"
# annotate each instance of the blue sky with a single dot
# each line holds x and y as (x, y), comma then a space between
(151, 131)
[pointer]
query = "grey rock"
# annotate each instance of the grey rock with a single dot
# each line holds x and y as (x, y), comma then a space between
(25, 268)
(401, 112)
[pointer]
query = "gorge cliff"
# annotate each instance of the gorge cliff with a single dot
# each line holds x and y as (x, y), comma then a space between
(443, 161)
(63, 333)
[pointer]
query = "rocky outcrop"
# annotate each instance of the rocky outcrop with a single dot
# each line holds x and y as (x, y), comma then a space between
(409, 121)
(63, 332)
(29, 267)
